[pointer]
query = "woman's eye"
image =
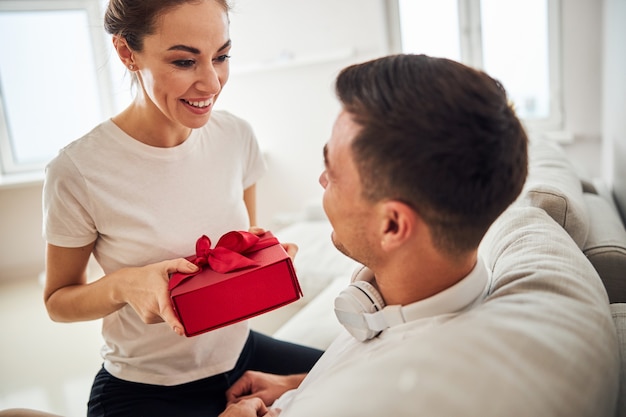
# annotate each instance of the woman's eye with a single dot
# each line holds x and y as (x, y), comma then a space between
(222, 58)
(184, 63)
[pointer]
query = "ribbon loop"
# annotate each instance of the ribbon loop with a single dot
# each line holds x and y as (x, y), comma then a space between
(227, 256)
(238, 241)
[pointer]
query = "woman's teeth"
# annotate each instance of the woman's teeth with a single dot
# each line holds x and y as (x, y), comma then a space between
(199, 104)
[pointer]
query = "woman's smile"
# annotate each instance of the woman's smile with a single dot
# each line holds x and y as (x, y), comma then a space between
(198, 106)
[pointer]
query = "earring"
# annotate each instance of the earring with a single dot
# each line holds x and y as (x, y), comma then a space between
(131, 67)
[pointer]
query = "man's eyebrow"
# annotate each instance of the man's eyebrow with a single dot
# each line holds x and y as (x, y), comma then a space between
(193, 50)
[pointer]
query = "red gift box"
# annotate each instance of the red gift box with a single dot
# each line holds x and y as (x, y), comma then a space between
(243, 276)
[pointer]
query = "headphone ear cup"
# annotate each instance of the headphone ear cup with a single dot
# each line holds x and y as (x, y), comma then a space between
(367, 295)
(358, 298)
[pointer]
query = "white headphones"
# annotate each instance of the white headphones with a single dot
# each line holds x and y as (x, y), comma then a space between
(361, 309)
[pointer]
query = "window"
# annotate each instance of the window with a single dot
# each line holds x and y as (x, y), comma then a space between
(515, 41)
(53, 72)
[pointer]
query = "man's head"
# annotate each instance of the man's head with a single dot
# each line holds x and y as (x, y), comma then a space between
(429, 134)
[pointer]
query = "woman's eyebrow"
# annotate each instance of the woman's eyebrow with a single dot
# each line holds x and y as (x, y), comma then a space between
(193, 50)
(226, 45)
(185, 48)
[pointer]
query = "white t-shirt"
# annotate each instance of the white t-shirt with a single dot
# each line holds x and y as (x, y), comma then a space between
(144, 204)
(346, 351)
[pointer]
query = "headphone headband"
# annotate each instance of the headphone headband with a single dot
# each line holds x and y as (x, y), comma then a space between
(361, 309)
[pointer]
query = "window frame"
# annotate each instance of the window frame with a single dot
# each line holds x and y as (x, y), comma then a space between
(471, 52)
(11, 170)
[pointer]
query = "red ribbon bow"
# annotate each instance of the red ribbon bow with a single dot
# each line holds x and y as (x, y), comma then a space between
(227, 256)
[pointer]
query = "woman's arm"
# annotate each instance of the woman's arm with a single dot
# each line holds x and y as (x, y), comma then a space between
(249, 198)
(69, 297)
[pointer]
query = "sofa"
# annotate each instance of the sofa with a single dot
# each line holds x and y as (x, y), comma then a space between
(547, 341)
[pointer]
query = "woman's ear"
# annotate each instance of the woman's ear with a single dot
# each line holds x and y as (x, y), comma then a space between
(124, 51)
(399, 223)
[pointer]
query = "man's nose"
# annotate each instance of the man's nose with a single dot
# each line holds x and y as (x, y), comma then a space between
(323, 180)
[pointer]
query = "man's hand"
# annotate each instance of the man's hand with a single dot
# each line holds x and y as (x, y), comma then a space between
(267, 387)
(250, 407)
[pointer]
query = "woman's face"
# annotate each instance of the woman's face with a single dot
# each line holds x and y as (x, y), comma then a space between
(184, 64)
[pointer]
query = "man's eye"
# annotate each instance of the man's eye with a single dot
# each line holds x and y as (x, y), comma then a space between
(184, 63)
(222, 58)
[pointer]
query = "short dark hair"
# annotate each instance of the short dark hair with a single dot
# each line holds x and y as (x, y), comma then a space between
(438, 136)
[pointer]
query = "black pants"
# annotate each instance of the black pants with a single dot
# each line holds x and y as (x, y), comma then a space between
(111, 396)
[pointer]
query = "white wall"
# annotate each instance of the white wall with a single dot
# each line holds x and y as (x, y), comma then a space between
(581, 27)
(291, 104)
(582, 67)
(614, 100)
(285, 57)
(21, 245)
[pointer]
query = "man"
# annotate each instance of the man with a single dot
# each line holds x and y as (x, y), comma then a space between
(425, 154)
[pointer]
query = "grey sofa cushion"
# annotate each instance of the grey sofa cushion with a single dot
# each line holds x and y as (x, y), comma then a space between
(554, 186)
(606, 246)
(619, 318)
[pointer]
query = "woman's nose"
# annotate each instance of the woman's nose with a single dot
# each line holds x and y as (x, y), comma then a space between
(211, 80)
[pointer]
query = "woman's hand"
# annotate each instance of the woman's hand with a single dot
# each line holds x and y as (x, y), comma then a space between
(290, 248)
(146, 291)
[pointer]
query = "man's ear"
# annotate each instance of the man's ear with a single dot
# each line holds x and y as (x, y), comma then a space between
(123, 51)
(399, 223)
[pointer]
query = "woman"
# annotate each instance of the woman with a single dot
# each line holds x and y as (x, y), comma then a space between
(137, 191)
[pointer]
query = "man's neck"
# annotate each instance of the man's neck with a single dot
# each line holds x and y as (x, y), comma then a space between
(419, 277)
